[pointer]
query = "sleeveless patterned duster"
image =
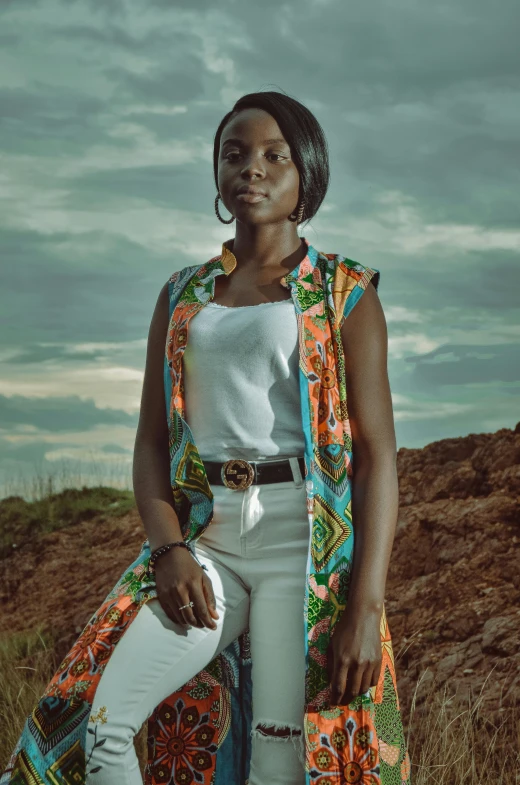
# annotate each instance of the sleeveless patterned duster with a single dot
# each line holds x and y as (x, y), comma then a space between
(194, 734)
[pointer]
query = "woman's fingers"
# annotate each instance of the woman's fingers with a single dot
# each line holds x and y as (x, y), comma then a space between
(201, 606)
(198, 615)
(187, 614)
(339, 681)
(207, 588)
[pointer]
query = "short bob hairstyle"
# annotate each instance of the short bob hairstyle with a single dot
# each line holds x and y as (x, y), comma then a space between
(303, 134)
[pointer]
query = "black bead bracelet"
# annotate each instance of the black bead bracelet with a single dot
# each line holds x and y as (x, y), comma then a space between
(165, 548)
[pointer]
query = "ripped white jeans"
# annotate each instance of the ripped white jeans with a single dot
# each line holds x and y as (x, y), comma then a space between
(255, 550)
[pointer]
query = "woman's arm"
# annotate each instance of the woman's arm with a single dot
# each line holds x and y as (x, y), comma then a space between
(179, 576)
(151, 466)
(354, 653)
(375, 492)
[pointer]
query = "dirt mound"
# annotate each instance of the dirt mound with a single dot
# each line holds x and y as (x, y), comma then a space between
(453, 587)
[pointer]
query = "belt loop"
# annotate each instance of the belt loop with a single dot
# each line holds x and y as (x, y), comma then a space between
(296, 473)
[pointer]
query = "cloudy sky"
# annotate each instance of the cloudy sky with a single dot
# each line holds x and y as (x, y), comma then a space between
(108, 111)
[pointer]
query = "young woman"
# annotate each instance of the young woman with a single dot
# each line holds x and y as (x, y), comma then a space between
(249, 632)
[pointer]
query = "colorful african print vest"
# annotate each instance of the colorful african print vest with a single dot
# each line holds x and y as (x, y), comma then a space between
(201, 732)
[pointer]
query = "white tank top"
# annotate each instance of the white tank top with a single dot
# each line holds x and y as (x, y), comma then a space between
(241, 384)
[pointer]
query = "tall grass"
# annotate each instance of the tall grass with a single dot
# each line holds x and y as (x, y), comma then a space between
(457, 738)
(28, 662)
(48, 478)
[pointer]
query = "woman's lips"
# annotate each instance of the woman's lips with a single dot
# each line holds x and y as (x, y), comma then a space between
(246, 197)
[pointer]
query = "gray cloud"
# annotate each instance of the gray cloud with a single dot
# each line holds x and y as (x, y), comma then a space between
(67, 296)
(107, 119)
(182, 187)
(459, 365)
(13, 455)
(58, 414)
(46, 120)
(115, 449)
(162, 84)
(455, 286)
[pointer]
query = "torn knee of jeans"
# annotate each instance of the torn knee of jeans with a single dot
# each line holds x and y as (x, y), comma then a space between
(281, 732)
(278, 731)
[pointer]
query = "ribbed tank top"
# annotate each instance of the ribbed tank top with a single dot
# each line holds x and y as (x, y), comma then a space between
(241, 381)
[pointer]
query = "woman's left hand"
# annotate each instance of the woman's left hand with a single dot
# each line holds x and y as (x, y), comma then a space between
(354, 656)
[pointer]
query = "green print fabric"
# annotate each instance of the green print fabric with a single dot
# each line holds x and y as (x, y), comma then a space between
(200, 733)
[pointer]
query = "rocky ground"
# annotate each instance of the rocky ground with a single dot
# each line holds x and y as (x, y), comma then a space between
(453, 587)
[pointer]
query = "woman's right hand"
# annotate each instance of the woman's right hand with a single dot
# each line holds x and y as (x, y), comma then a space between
(180, 579)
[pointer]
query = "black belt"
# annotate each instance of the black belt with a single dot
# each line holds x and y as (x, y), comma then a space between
(238, 474)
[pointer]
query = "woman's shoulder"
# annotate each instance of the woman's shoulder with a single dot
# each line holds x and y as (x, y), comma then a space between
(346, 263)
(178, 280)
(351, 271)
(179, 277)
(183, 273)
(345, 281)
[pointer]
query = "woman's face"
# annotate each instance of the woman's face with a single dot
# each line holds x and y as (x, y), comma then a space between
(249, 156)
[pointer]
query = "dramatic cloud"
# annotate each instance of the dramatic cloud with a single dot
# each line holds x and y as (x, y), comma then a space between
(108, 111)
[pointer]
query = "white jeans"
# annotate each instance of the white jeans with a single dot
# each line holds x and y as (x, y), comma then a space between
(255, 550)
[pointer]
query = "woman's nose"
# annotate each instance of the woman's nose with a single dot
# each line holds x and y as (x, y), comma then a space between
(253, 163)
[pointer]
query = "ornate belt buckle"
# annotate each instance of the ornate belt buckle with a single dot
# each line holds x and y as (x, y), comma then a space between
(237, 474)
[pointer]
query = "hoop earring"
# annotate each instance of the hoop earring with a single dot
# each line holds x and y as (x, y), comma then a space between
(298, 218)
(218, 196)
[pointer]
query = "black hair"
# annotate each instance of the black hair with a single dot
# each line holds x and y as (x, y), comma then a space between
(304, 136)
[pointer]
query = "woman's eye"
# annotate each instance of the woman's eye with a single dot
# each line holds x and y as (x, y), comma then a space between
(278, 155)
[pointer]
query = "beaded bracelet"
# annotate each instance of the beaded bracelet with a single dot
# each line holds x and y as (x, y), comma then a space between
(165, 548)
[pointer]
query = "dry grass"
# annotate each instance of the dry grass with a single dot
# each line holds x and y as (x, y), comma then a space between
(456, 738)
(48, 479)
(28, 662)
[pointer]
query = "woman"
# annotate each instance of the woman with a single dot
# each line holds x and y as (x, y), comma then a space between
(248, 495)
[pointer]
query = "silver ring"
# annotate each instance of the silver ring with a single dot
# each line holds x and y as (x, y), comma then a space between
(189, 605)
